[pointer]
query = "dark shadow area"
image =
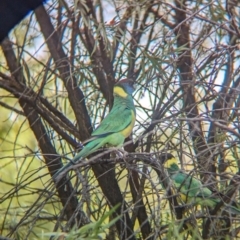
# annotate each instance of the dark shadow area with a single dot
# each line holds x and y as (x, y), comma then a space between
(13, 11)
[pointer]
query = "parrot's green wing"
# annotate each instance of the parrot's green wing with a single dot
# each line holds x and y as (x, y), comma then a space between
(190, 187)
(117, 120)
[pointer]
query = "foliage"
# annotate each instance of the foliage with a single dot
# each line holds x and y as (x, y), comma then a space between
(57, 72)
(91, 230)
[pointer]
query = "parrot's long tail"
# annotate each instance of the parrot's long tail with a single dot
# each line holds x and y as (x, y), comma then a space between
(91, 147)
(233, 209)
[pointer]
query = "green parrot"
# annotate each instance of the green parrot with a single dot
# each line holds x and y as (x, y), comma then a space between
(115, 127)
(189, 189)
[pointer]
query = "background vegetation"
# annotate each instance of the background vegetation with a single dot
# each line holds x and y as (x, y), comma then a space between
(57, 71)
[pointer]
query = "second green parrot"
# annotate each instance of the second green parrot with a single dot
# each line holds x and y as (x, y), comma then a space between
(188, 188)
(115, 127)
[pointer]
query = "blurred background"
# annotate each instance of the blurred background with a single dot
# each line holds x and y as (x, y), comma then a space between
(58, 67)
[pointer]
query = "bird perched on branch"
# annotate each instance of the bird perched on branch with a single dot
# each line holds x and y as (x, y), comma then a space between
(115, 127)
(190, 189)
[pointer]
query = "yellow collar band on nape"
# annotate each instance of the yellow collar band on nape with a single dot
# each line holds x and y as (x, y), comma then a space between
(120, 92)
(170, 162)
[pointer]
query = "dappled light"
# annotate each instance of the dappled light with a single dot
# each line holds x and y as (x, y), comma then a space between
(59, 78)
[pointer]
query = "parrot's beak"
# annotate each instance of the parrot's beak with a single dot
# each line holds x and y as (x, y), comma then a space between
(133, 84)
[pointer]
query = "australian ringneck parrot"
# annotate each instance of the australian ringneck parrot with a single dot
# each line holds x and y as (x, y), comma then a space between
(115, 127)
(189, 189)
